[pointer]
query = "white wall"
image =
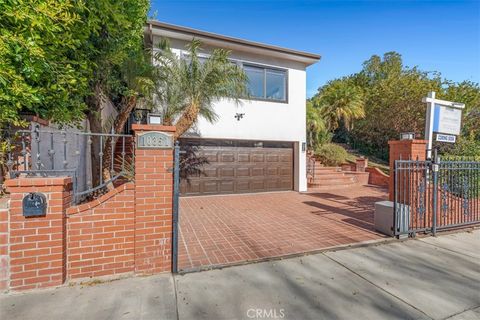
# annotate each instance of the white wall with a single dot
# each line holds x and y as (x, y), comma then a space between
(263, 120)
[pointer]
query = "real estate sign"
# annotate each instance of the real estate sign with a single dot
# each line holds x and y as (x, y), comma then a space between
(444, 118)
(447, 120)
(446, 138)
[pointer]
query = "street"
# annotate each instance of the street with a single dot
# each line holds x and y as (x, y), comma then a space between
(428, 278)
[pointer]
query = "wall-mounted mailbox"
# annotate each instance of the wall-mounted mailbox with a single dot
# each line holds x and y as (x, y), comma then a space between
(34, 205)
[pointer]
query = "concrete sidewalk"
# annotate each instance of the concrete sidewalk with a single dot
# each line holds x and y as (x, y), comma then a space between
(430, 278)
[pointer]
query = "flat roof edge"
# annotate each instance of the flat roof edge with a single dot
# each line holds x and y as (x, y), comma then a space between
(215, 36)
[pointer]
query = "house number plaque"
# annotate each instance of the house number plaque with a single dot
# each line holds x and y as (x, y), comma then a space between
(154, 140)
(34, 205)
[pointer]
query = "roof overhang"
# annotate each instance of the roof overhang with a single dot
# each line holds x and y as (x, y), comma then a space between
(157, 28)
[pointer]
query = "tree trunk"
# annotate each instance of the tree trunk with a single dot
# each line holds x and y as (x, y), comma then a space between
(187, 119)
(110, 142)
(94, 117)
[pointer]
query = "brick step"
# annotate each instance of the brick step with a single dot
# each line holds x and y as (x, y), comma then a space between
(327, 169)
(333, 181)
(316, 188)
(329, 175)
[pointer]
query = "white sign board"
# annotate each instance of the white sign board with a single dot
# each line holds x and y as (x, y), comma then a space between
(442, 117)
(447, 119)
(446, 138)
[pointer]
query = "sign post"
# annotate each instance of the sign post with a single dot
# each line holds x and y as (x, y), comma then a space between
(444, 118)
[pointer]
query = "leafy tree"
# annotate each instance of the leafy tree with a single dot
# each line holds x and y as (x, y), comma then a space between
(42, 69)
(392, 95)
(189, 87)
(317, 131)
(393, 101)
(469, 93)
(62, 59)
(120, 73)
(340, 101)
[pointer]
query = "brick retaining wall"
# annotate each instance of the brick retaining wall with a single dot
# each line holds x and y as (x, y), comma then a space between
(100, 235)
(128, 230)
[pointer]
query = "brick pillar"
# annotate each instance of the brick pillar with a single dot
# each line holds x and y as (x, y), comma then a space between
(4, 257)
(361, 164)
(38, 244)
(153, 203)
(405, 150)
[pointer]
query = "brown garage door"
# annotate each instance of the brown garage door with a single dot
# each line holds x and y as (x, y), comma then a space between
(226, 166)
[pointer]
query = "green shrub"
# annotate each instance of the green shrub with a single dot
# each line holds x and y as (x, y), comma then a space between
(331, 154)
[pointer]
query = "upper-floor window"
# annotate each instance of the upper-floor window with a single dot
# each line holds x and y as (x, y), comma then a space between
(266, 83)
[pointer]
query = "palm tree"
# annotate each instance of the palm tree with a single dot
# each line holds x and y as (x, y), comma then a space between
(340, 100)
(317, 131)
(188, 86)
(136, 75)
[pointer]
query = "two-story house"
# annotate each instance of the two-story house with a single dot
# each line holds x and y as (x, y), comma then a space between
(259, 145)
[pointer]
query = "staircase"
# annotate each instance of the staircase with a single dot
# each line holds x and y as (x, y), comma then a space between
(327, 178)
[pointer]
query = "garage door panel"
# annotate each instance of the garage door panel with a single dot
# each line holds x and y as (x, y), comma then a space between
(258, 157)
(272, 157)
(272, 184)
(190, 187)
(226, 172)
(256, 172)
(210, 187)
(284, 171)
(227, 186)
(209, 171)
(272, 171)
(227, 157)
(210, 156)
(243, 157)
(285, 183)
(242, 186)
(240, 167)
(258, 185)
(243, 172)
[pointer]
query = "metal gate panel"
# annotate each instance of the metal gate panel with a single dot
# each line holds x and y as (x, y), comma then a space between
(435, 195)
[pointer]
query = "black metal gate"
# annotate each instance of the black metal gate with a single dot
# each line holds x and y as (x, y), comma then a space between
(176, 206)
(435, 195)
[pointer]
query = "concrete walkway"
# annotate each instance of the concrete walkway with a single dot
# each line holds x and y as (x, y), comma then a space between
(429, 278)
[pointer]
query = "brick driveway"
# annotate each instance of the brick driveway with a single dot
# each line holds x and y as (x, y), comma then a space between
(219, 230)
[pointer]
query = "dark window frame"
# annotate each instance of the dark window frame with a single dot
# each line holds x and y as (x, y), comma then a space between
(242, 63)
(265, 69)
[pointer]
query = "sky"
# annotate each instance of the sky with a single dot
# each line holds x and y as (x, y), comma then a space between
(439, 36)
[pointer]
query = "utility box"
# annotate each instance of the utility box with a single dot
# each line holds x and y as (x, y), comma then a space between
(384, 217)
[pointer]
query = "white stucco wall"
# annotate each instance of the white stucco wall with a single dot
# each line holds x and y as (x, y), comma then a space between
(271, 121)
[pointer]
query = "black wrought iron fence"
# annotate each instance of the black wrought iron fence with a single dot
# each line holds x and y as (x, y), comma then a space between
(81, 155)
(436, 195)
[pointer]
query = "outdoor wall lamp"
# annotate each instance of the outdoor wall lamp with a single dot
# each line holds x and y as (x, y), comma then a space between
(407, 135)
(153, 118)
(239, 116)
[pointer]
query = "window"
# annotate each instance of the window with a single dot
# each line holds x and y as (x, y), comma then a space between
(266, 83)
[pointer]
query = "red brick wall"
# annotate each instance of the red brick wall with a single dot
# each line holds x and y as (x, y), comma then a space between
(4, 256)
(100, 235)
(377, 177)
(37, 244)
(348, 166)
(153, 206)
(405, 150)
(127, 230)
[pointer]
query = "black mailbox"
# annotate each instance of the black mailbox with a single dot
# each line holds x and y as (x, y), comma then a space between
(34, 205)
